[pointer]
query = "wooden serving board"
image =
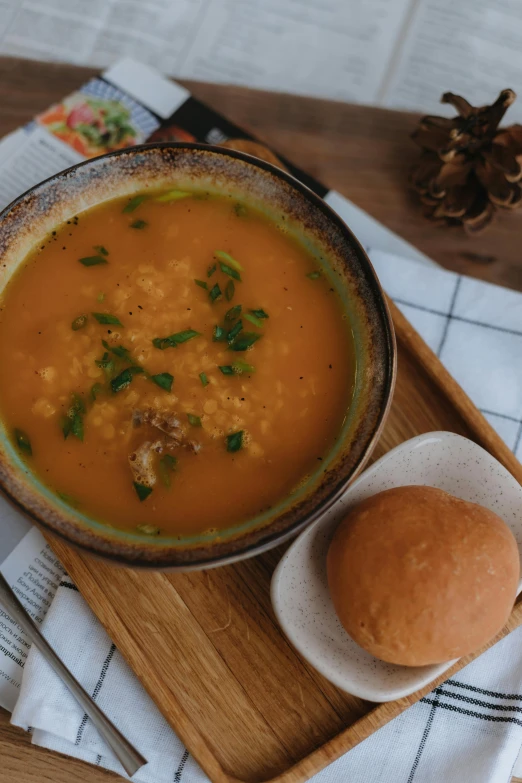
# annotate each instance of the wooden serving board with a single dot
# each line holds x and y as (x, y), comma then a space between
(244, 702)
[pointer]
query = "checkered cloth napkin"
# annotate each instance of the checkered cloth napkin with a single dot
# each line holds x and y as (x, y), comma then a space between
(469, 730)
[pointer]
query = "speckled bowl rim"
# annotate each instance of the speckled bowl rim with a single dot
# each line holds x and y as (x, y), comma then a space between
(154, 553)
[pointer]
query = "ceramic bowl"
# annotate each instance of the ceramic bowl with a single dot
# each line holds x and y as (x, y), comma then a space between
(300, 594)
(283, 199)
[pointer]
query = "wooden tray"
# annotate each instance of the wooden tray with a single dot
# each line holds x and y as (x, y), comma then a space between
(246, 705)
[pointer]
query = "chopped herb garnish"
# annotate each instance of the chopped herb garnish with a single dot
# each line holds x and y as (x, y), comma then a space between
(314, 275)
(173, 195)
(245, 341)
(133, 204)
(228, 259)
(96, 389)
(166, 466)
(203, 378)
(210, 271)
(233, 333)
(233, 313)
(106, 364)
(148, 530)
(93, 260)
(100, 297)
(240, 367)
(101, 250)
(79, 322)
(230, 290)
(215, 293)
(194, 421)
(143, 493)
(125, 378)
(254, 320)
(219, 335)
(23, 442)
(173, 340)
(235, 441)
(107, 318)
(201, 284)
(230, 271)
(118, 350)
(164, 380)
(259, 313)
(73, 421)
(139, 224)
(240, 210)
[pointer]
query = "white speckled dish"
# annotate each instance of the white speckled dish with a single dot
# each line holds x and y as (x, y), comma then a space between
(300, 593)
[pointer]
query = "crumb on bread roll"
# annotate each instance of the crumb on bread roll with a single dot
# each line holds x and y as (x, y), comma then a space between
(419, 577)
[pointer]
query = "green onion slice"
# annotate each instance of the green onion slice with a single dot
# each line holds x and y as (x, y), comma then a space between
(167, 466)
(233, 313)
(23, 442)
(173, 340)
(107, 318)
(93, 260)
(173, 195)
(125, 378)
(164, 380)
(241, 367)
(235, 441)
(133, 204)
(203, 378)
(139, 224)
(201, 284)
(219, 335)
(230, 290)
(245, 341)
(79, 322)
(194, 421)
(96, 389)
(230, 271)
(215, 293)
(233, 333)
(254, 320)
(259, 313)
(142, 492)
(226, 258)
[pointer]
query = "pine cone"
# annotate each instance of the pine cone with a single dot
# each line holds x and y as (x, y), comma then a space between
(468, 166)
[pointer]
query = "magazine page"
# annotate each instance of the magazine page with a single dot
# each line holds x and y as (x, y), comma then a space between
(470, 48)
(33, 573)
(330, 48)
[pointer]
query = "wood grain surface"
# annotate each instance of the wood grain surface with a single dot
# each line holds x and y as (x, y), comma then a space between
(243, 700)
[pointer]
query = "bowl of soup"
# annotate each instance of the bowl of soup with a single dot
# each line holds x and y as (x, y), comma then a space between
(196, 355)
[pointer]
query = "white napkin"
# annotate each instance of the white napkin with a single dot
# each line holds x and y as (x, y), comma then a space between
(467, 731)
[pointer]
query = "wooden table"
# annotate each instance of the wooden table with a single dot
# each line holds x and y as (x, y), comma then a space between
(361, 151)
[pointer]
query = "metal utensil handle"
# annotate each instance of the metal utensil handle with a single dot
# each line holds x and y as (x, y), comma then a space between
(130, 759)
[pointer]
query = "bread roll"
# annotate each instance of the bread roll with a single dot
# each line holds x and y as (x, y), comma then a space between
(419, 577)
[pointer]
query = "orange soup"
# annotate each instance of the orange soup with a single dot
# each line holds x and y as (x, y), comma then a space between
(173, 363)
